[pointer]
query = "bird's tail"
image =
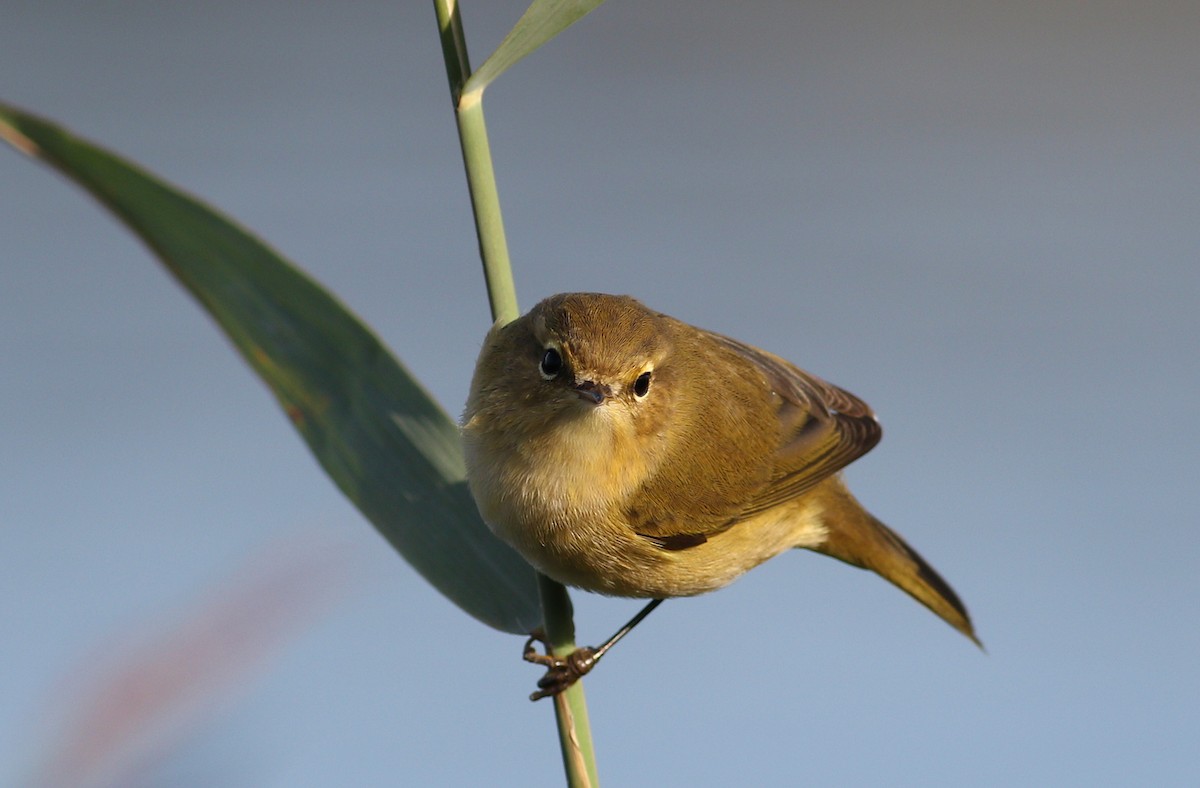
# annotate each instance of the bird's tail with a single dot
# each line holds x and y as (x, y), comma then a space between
(856, 537)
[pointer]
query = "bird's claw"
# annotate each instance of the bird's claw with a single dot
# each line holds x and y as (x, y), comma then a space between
(561, 672)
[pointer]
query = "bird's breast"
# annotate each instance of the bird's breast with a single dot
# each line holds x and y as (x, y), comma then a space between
(529, 487)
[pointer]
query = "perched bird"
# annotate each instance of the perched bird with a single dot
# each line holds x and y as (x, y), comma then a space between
(625, 452)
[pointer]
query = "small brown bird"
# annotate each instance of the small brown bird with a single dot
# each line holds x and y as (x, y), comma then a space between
(625, 452)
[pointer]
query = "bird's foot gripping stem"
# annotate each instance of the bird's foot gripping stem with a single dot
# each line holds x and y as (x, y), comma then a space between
(561, 672)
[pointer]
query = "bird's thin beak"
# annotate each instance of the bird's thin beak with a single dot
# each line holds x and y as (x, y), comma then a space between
(592, 392)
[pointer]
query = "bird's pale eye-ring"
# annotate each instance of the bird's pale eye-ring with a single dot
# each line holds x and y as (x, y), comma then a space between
(641, 386)
(551, 364)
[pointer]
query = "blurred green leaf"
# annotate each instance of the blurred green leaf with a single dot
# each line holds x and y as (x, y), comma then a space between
(377, 433)
(542, 21)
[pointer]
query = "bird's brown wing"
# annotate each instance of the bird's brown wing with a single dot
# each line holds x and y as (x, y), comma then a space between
(822, 428)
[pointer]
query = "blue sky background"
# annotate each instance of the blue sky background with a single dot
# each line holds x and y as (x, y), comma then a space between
(981, 217)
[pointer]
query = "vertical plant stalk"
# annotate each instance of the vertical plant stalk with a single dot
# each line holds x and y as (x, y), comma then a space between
(477, 159)
(570, 706)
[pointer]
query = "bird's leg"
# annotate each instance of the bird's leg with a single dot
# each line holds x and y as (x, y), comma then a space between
(562, 672)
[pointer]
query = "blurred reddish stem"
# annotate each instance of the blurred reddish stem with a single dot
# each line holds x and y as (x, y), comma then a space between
(144, 702)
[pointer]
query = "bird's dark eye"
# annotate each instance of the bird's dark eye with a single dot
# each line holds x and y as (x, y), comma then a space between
(551, 363)
(641, 386)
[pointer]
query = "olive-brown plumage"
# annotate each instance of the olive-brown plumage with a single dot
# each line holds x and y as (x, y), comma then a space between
(625, 452)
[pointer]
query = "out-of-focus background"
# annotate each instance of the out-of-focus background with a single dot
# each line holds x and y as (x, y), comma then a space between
(980, 217)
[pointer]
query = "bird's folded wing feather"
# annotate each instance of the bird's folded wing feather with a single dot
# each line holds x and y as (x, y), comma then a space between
(822, 428)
